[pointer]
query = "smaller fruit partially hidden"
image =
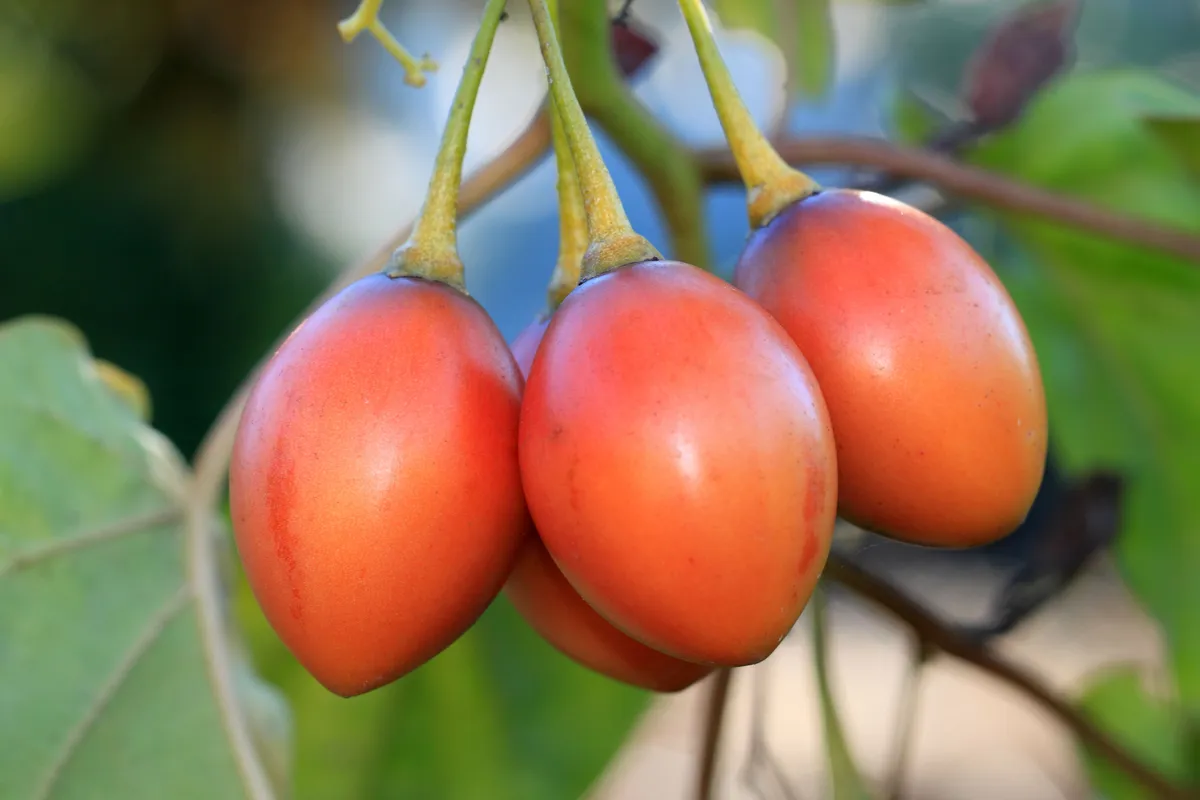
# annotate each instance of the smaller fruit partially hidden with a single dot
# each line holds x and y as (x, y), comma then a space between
(552, 607)
(555, 610)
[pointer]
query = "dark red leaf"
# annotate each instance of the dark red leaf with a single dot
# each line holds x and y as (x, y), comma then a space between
(633, 47)
(1020, 55)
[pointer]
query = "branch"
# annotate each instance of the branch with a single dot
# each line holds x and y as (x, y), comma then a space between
(212, 456)
(666, 163)
(936, 636)
(968, 182)
(714, 721)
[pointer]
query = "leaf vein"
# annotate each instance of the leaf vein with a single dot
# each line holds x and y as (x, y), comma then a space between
(35, 555)
(106, 533)
(158, 623)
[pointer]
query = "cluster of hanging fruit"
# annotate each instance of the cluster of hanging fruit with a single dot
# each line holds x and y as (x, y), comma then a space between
(652, 471)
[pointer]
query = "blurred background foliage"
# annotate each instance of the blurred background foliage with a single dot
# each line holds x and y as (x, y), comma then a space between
(179, 178)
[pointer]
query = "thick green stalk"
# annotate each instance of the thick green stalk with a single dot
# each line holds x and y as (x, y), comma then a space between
(572, 218)
(664, 161)
(771, 184)
(432, 249)
(612, 241)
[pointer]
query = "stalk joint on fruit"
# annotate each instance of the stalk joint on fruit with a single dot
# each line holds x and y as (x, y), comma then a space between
(771, 183)
(572, 217)
(366, 18)
(612, 241)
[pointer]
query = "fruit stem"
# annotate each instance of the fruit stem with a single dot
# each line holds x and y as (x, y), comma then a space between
(432, 250)
(612, 242)
(771, 183)
(366, 18)
(572, 219)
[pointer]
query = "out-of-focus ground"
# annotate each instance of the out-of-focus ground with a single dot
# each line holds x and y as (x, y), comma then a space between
(972, 736)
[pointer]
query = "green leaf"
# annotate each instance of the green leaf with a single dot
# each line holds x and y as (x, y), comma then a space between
(1150, 729)
(913, 121)
(498, 715)
(1117, 328)
(108, 672)
(754, 15)
(1181, 134)
(815, 56)
(47, 113)
(127, 387)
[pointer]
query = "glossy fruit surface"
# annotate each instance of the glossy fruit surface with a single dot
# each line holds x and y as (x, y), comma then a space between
(678, 462)
(374, 487)
(544, 597)
(923, 359)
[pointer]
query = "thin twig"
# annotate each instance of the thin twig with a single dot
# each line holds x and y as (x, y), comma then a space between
(937, 636)
(761, 764)
(714, 721)
(905, 717)
(968, 182)
(622, 17)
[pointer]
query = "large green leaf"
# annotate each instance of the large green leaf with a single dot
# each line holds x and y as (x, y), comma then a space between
(1182, 134)
(1117, 328)
(498, 715)
(1149, 728)
(114, 679)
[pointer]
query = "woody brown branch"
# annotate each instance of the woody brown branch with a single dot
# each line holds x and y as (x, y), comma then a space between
(936, 636)
(966, 182)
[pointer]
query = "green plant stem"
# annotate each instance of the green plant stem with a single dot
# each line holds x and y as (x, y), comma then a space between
(663, 160)
(572, 218)
(612, 241)
(847, 783)
(771, 185)
(432, 250)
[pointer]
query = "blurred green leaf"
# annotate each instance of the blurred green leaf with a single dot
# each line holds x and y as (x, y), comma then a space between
(1150, 729)
(46, 115)
(105, 674)
(755, 15)
(498, 715)
(913, 122)
(815, 56)
(1181, 134)
(1117, 328)
(128, 387)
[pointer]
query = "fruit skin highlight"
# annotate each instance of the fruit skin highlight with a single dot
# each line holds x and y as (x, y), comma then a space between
(552, 607)
(374, 486)
(925, 364)
(678, 462)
